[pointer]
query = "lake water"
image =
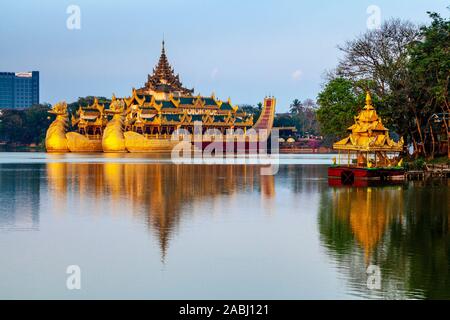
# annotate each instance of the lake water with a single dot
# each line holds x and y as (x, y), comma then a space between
(142, 227)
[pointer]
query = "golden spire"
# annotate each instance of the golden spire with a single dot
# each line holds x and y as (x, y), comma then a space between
(368, 101)
(163, 78)
(368, 133)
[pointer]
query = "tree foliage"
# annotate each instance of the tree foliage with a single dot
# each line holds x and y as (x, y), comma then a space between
(296, 106)
(25, 126)
(86, 101)
(302, 116)
(249, 109)
(338, 105)
(407, 70)
(29, 126)
(379, 55)
(429, 69)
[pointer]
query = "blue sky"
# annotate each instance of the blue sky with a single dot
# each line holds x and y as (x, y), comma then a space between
(239, 49)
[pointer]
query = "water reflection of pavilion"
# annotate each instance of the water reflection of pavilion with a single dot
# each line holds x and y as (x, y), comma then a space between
(157, 193)
(405, 231)
(354, 225)
(369, 212)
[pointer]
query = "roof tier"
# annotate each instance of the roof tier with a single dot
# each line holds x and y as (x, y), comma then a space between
(368, 133)
(164, 78)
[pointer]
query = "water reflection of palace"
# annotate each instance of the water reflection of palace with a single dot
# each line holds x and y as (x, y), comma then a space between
(402, 229)
(158, 193)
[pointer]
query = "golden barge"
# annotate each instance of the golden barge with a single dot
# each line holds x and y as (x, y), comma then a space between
(147, 119)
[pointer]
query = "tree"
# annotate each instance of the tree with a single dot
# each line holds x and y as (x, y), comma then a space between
(378, 61)
(285, 120)
(309, 104)
(301, 115)
(30, 125)
(250, 109)
(296, 106)
(86, 101)
(25, 126)
(308, 117)
(407, 69)
(380, 55)
(429, 66)
(36, 123)
(12, 121)
(338, 105)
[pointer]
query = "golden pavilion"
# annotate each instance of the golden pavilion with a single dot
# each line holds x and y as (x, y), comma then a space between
(368, 146)
(146, 120)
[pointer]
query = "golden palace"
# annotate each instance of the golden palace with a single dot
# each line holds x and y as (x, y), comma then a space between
(146, 120)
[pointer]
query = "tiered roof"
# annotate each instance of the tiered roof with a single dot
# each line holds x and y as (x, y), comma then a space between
(90, 115)
(147, 101)
(368, 133)
(164, 79)
(164, 101)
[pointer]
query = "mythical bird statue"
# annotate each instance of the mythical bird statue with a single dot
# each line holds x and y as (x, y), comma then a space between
(55, 140)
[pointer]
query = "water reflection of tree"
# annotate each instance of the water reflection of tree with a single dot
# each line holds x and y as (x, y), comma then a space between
(423, 241)
(19, 196)
(404, 230)
(304, 178)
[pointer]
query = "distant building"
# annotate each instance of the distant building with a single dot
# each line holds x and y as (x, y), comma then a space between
(19, 90)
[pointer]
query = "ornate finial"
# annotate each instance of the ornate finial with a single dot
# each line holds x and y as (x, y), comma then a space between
(164, 77)
(59, 108)
(368, 99)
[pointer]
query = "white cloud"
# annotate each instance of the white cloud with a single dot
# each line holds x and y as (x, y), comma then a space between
(214, 73)
(297, 74)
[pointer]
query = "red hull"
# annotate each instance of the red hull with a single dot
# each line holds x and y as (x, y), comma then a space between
(340, 175)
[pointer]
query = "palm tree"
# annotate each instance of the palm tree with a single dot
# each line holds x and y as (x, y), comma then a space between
(296, 106)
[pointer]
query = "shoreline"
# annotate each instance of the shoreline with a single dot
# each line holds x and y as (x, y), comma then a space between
(4, 149)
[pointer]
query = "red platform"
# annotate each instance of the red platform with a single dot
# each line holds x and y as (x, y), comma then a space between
(347, 175)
